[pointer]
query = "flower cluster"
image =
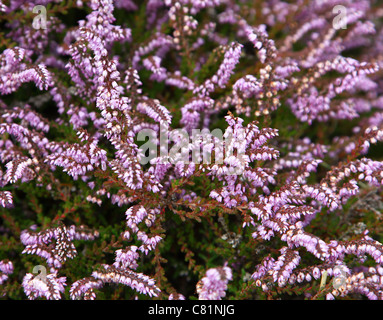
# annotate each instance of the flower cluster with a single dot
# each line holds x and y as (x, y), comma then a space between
(6, 268)
(169, 149)
(55, 253)
(214, 285)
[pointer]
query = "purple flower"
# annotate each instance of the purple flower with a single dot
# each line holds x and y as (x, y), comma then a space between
(49, 287)
(137, 281)
(214, 285)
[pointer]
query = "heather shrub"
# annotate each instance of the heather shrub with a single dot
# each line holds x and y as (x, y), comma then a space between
(206, 149)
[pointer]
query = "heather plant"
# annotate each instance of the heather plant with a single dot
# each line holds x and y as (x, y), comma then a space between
(179, 149)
